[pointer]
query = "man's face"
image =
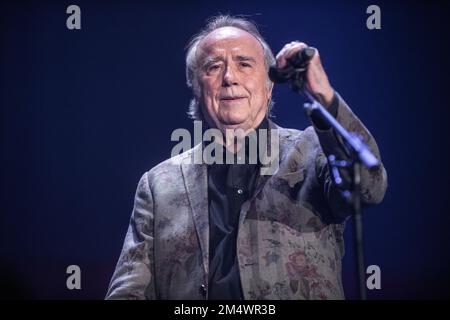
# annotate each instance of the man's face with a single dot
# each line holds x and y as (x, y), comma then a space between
(234, 91)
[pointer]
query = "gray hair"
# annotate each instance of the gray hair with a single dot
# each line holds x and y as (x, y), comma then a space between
(191, 61)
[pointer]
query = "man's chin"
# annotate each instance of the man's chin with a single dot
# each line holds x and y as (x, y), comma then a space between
(233, 125)
(233, 120)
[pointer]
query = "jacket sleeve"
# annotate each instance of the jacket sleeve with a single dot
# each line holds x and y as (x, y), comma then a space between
(373, 182)
(133, 276)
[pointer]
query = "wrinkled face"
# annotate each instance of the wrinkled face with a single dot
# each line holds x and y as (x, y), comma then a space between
(234, 88)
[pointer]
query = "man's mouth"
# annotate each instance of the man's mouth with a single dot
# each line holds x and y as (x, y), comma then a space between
(234, 98)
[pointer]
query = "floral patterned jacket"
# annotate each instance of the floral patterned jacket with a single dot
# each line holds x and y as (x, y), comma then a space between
(290, 238)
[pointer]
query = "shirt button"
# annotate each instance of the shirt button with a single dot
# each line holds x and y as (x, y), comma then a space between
(203, 290)
(240, 191)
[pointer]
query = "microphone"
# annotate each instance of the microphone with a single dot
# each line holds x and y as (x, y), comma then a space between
(296, 63)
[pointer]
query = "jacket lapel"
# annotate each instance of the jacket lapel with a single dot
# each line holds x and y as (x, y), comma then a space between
(263, 179)
(196, 183)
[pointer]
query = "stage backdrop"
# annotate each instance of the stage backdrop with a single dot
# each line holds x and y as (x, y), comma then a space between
(84, 113)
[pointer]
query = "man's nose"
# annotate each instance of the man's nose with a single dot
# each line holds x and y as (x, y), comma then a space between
(229, 77)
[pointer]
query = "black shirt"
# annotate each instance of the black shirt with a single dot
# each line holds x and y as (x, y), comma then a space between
(229, 186)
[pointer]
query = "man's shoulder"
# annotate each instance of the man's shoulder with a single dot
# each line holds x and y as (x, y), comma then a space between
(291, 134)
(170, 167)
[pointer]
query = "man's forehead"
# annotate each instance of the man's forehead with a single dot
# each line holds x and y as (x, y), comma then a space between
(229, 38)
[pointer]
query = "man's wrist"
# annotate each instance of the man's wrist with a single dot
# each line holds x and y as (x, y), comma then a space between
(332, 108)
(333, 105)
(328, 98)
(325, 98)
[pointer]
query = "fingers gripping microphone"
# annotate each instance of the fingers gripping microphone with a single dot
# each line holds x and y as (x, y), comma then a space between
(296, 65)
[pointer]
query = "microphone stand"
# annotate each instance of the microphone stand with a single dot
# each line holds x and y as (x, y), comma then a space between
(359, 154)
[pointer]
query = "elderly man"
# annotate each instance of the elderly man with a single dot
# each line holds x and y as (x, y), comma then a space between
(225, 231)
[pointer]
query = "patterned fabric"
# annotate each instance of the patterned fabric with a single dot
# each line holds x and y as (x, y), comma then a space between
(290, 239)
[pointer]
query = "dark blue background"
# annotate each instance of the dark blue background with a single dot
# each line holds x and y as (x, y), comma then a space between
(85, 113)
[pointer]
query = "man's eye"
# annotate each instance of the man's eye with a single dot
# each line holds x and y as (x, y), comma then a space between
(214, 67)
(245, 64)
